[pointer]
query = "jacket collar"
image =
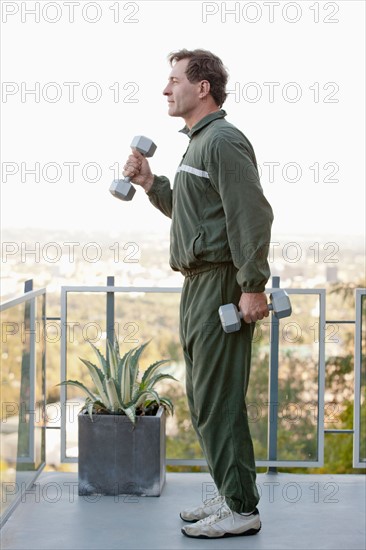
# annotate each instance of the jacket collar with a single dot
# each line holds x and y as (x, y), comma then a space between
(203, 122)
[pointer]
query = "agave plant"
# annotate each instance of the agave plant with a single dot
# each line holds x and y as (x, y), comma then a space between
(117, 388)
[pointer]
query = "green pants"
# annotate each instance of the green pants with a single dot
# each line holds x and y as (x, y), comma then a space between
(217, 376)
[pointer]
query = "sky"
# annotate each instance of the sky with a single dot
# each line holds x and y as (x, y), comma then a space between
(81, 79)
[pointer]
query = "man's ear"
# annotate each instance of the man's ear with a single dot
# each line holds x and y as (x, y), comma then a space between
(204, 89)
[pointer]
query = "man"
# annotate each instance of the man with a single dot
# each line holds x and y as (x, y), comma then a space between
(220, 234)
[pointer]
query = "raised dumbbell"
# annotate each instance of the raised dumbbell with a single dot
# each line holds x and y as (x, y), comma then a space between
(123, 189)
(231, 317)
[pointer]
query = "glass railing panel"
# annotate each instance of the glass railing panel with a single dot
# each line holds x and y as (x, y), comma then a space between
(155, 316)
(293, 413)
(22, 430)
(40, 381)
(14, 428)
(362, 351)
(86, 322)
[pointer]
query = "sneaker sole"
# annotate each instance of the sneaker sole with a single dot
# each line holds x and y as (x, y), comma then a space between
(226, 535)
(188, 520)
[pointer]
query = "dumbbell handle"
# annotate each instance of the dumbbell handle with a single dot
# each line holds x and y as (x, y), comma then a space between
(270, 307)
(231, 316)
(126, 179)
(123, 188)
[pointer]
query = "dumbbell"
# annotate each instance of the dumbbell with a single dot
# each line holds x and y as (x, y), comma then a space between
(123, 189)
(231, 317)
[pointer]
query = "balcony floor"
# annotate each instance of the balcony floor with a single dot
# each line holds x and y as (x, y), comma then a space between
(297, 512)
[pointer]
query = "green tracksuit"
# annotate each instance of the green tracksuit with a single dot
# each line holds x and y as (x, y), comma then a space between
(220, 235)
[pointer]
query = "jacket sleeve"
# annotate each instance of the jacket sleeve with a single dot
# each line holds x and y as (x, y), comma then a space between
(161, 194)
(234, 175)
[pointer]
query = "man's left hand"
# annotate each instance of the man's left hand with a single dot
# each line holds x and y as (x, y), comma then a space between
(253, 306)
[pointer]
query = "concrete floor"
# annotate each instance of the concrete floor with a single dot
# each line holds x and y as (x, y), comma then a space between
(297, 512)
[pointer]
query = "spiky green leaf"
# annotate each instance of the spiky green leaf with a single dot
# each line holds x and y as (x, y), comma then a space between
(112, 395)
(97, 377)
(116, 347)
(142, 396)
(134, 361)
(165, 401)
(157, 378)
(130, 412)
(113, 360)
(122, 367)
(89, 408)
(151, 370)
(102, 360)
(126, 389)
(78, 385)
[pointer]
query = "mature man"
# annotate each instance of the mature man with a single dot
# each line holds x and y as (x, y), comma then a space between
(220, 234)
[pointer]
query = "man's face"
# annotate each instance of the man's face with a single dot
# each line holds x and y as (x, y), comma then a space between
(182, 95)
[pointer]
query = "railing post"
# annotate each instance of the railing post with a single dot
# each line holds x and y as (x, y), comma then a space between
(110, 313)
(63, 358)
(273, 386)
(359, 461)
(28, 285)
(26, 428)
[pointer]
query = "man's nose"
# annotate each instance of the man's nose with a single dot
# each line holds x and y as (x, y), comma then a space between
(166, 90)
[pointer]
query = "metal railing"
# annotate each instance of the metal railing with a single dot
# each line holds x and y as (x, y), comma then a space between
(23, 398)
(359, 428)
(272, 460)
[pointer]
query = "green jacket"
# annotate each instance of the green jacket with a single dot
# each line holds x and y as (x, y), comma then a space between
(217, 206)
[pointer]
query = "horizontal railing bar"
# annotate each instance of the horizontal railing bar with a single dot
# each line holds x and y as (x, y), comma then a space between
(332, 321)
(23, 298)
(338, 322)
(202, 462)
(157, 289)
(154, 289)
(342, 322)
(338, 431)
(188, 462)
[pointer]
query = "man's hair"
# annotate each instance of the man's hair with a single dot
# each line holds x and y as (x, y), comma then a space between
(204, 65)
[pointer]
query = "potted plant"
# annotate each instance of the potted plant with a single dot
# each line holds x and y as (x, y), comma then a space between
(122, 425)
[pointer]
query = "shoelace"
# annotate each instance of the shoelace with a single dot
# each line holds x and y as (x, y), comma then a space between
(213, 500)
(223, 512)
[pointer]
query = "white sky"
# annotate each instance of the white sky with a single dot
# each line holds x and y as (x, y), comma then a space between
(326, 61)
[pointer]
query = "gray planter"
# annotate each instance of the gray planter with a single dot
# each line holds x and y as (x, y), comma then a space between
(116, 457)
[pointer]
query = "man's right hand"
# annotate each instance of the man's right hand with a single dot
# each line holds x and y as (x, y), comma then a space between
(138, 170)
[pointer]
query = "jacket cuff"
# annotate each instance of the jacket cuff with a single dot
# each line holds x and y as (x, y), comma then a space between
(252, 289)
(157, 186)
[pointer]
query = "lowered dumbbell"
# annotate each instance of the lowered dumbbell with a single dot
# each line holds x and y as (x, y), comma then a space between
(231, 317)
(123, 189)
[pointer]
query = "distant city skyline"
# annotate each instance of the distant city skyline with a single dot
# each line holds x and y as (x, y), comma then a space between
(56, 258)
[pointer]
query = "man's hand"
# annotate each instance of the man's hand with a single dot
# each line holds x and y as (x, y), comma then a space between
(253, 306)
(138, 170)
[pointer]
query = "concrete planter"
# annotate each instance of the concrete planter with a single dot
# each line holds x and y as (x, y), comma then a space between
(116, 457)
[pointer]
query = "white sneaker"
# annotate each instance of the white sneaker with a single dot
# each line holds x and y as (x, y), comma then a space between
(224, 523)
(208, 507)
